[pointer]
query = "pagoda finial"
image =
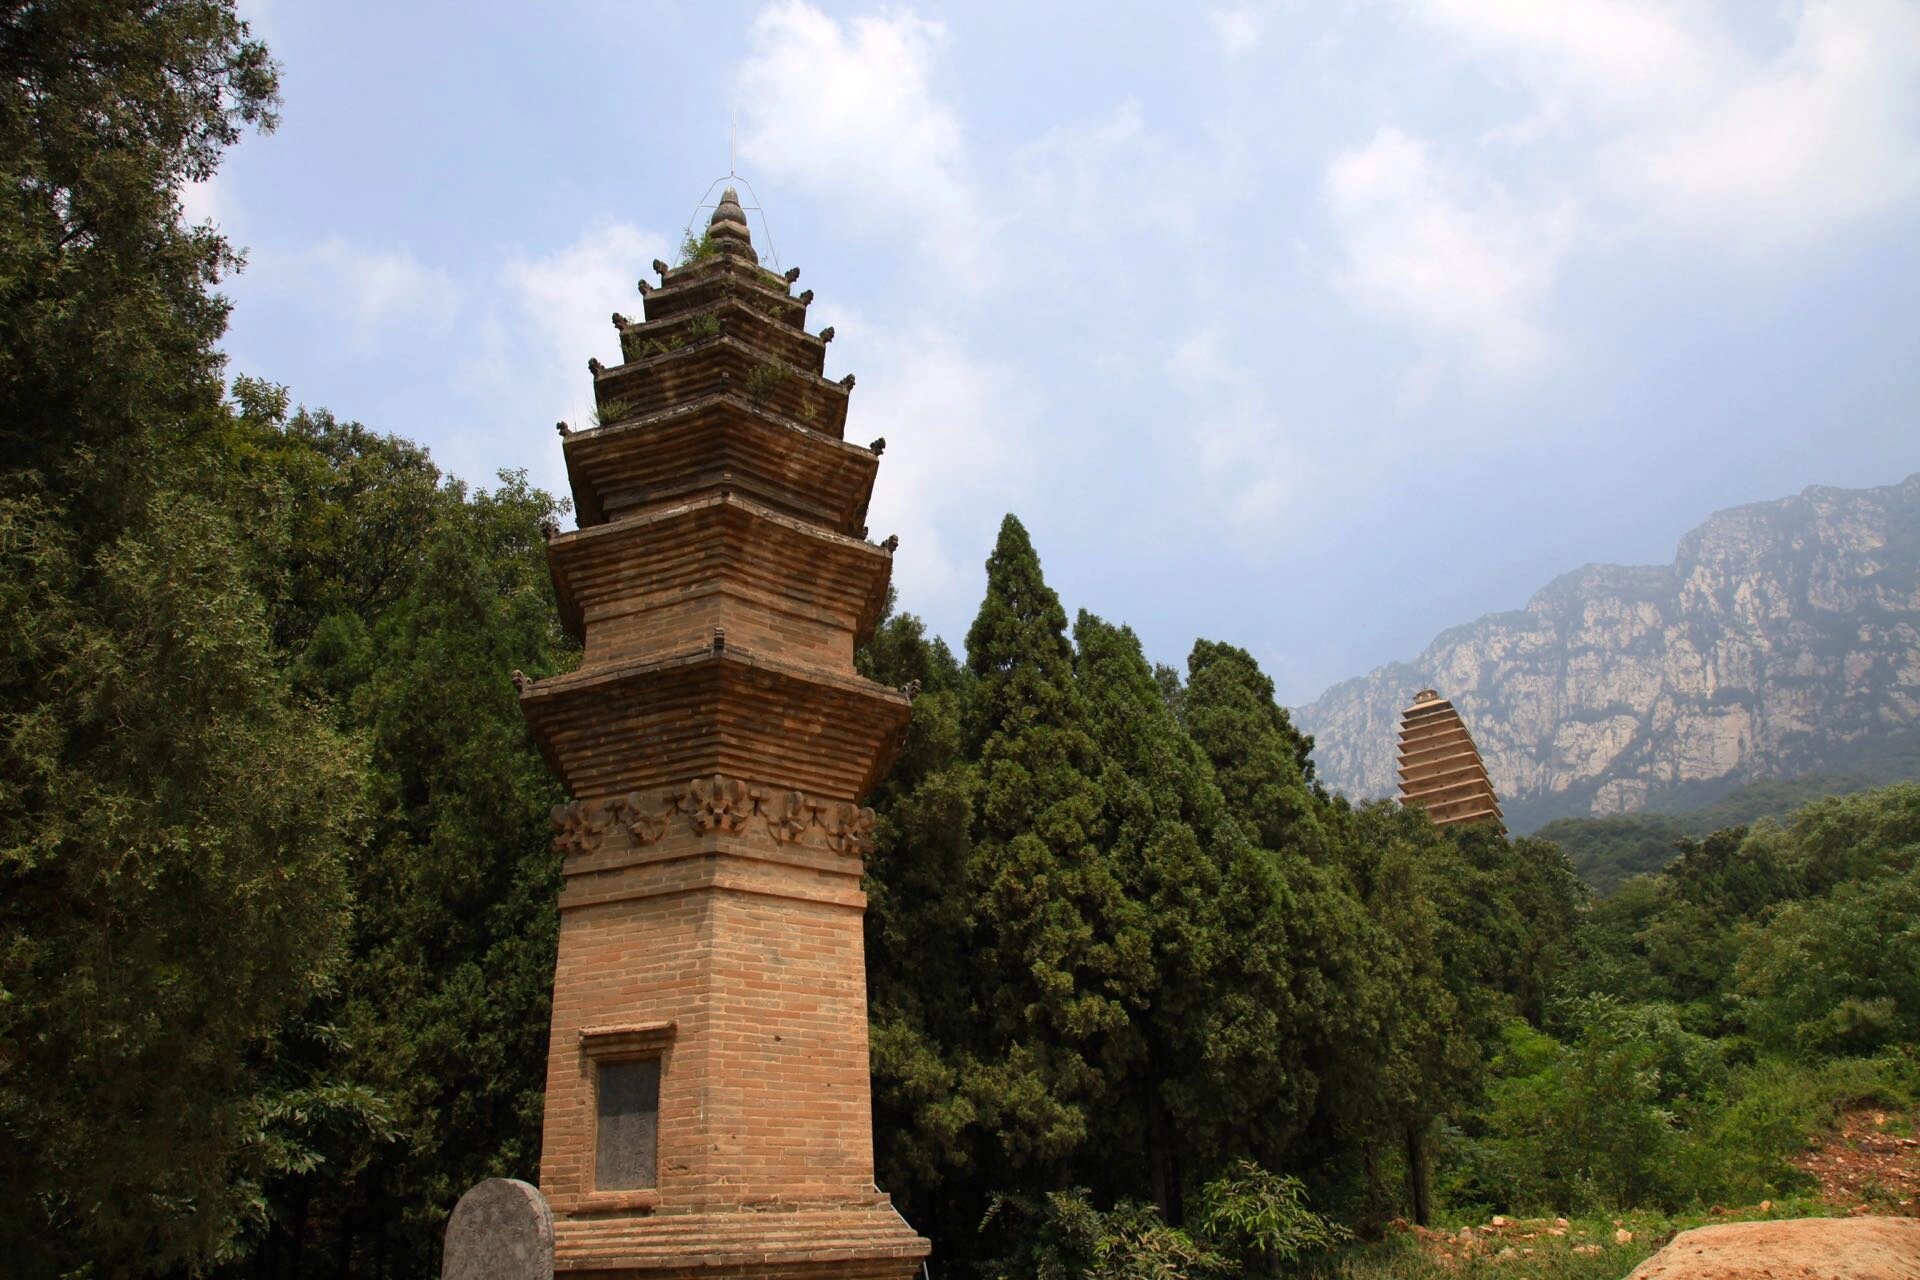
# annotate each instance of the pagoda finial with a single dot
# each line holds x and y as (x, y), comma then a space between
(728, 227)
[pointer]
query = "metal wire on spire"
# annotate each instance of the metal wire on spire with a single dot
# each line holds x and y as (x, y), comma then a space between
(773, 254)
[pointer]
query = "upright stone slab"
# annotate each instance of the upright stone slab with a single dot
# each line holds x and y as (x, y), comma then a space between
(707, 1108)
(500, 1230)
(1440, 768)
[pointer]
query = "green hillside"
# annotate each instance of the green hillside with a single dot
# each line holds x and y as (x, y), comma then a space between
(1606, 852)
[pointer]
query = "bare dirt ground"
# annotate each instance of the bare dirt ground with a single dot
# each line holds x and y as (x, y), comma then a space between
(1796, 1249)
(1870, 1164)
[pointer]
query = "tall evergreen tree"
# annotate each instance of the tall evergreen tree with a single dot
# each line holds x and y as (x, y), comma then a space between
(107, 316)
(172, 821)
(919, 921)
(1064, 954)
(447, 1008)
(1213, 1063)
(440, 1020)
(1263, 763)
(1341, 974)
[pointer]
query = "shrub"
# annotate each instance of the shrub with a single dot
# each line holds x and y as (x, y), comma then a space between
(1254, 1213)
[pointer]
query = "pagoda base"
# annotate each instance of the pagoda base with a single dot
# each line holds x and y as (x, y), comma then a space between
(867, 1240)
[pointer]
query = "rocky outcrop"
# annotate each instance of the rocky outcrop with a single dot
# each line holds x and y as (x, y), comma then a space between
(1795, 1249)
(1784, 639)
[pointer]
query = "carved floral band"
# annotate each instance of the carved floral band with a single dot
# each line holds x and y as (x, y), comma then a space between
(717, 803)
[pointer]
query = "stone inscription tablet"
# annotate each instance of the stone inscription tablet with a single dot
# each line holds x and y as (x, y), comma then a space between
(628, 1139)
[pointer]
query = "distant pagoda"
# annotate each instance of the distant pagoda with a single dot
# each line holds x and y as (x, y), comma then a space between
(1440, 769)
(707, 1107)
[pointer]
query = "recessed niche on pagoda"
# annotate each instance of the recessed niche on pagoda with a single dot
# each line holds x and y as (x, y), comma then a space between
(1440, 769)
(707, 1106)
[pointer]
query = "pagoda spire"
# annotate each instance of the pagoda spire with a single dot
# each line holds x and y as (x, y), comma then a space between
(728, 227)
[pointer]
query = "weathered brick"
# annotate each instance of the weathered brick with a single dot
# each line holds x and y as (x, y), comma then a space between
(718, 741)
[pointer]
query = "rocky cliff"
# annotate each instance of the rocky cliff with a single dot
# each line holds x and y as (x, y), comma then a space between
(1784, 639)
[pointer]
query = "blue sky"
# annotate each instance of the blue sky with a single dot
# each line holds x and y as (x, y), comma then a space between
(1311, 327)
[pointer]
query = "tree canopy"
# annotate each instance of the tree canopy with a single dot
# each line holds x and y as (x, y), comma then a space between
(278, 900)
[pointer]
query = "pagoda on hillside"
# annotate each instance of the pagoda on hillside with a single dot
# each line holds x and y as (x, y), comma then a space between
(707, 1108)
(1440, 769)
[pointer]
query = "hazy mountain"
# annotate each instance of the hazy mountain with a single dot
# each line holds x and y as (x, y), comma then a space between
(1784, 639)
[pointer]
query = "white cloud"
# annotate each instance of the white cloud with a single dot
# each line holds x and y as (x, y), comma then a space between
(1237, 29)
(1697, 134)
(1825, 133)
(563, 304)
(1451, 255)
(1614, 57)
(528, 348)
(1655, 120)
(954, 426)
(1113, 181)
(1246, 453)
(385, 285)
(852, 109)
(200, 202)
(369, 290)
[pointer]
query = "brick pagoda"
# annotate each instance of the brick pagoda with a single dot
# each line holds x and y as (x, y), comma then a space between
(707, 1106)
(1440, 769)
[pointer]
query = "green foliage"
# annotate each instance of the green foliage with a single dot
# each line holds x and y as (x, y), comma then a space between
(1609, 851)
(438, 1024)
(611, 411)
(763, 380)
(1067, 1238)
(1264, 1215)
(1251, 1221)
(1740, 1153)
(174, 819)
(1791, 944)
(1262, 762)
(1060, 969)
(172, 837)
(1088, 966)
(1852, 837)
(1597, 1121)
(107, 318)
(656, 346)
(695, 249)
(1839, 974)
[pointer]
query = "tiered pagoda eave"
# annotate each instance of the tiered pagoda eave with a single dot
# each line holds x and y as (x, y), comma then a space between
(1440, 769)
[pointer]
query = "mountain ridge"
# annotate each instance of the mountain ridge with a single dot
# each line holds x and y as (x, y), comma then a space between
(1783, 639)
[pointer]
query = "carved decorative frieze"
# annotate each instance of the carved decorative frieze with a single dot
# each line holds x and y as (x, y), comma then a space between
(851, 830)
(797, 814)
(642, 821)
(719, 803)
(716, 803)
(579, 827)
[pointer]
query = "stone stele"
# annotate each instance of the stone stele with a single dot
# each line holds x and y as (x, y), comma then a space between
(500, 1230)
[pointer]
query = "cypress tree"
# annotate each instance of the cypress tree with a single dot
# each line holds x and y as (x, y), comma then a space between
(923, 1021)
(443, 1012)
(1333, 986)
(173, 821)
(1210, 1057)
(1263, 763)
(1063, 955)
(173, 829)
